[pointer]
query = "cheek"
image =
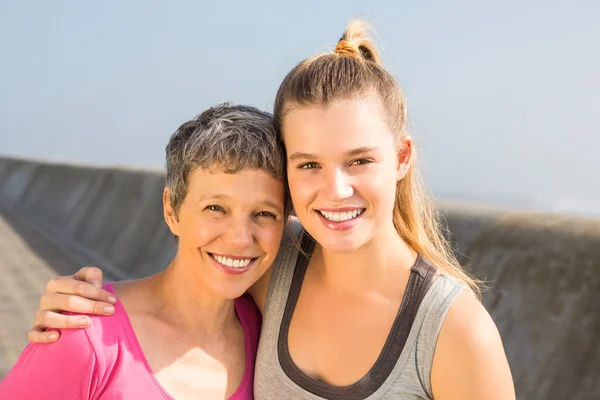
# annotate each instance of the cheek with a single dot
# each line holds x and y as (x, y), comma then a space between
(200, 231)
(302, 188)
(378, 188)
(269, 239)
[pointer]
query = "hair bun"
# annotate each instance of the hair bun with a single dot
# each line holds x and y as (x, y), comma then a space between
(346, 48)
(355, 42)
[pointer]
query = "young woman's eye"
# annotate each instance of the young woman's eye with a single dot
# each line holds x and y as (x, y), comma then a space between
(361, 161)
(214, 207)
(267, 214)
(308, 165)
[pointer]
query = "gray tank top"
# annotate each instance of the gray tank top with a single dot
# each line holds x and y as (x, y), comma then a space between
(403, 368)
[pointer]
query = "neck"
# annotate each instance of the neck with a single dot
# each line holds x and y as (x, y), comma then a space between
(187, 303)
(379, 263)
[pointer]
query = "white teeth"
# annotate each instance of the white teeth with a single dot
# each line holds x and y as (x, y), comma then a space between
(233, 263)
(341, 216)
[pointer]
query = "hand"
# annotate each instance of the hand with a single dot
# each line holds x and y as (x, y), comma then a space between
(80, 293)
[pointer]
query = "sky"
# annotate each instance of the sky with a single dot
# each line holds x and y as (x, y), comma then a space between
(503, 97)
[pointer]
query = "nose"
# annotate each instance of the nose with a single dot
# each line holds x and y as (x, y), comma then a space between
(239, 234)
(337, 185)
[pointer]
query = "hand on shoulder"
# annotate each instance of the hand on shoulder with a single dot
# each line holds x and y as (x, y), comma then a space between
(80, 293)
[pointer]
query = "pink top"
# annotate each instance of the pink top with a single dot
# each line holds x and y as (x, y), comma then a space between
(105, 361)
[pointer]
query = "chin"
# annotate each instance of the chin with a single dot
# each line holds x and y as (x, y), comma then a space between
(346, 244)
(228, 289)
(231, 293)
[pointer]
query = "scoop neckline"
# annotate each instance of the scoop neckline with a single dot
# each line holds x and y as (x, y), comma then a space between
(420, 279)
(119, 308)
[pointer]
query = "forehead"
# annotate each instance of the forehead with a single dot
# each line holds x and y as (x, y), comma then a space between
(343, 123)
(247, 186)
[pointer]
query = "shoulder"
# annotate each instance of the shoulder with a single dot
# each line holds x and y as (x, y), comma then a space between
(101, 338)
(69, 368)
(88, 340)
(105, 330)
(468, 322)
(107, 335)
(469, 360)
(74, 345)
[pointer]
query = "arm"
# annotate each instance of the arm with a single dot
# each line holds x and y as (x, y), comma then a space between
(469, 360)
(79, 293)
(65, 370)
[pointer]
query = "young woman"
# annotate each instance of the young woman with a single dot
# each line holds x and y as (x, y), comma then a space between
(186, 332)
(365, 299)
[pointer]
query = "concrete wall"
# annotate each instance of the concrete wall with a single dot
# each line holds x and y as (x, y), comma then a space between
(543, 271)
(111, 217)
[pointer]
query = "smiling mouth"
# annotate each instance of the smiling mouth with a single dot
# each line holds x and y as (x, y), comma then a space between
(238, 262)
(341, 216)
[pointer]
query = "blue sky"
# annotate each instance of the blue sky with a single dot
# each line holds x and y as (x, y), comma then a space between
(503, 96)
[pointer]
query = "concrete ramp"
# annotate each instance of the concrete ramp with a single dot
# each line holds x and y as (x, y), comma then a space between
(543, 271)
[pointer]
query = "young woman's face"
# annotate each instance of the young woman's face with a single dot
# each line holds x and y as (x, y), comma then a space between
(229, 228)
(343, 167)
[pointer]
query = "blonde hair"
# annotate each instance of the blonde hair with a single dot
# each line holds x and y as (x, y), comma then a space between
(353, 70)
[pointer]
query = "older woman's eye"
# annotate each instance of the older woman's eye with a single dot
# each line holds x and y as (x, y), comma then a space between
(267, 214)
(214, 207)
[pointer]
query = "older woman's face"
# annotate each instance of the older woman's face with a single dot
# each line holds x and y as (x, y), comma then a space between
(229, 228)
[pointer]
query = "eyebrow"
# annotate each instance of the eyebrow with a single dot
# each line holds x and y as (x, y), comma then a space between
(361, 150)
(352, 153)
(205, 197)
(302, 156)
(271, 204)
(264, 202)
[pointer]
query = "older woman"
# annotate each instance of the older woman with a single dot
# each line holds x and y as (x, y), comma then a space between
(187, 332)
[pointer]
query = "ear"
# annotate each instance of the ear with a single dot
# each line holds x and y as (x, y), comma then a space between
(169, 213)
(405, 156)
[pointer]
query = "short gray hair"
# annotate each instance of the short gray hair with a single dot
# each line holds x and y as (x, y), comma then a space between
(226, 138)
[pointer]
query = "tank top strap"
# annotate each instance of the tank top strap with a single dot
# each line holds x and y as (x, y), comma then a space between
(283, 269)
(428, 323)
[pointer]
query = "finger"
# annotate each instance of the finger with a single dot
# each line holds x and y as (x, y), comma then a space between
(74, 304)
(70, 285)
(53, 319)
(91, 275)
(38, 334)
